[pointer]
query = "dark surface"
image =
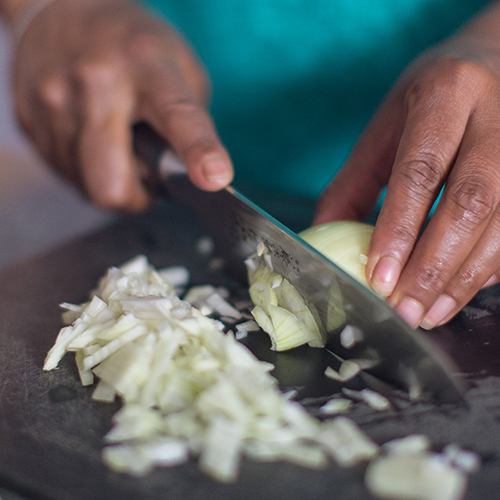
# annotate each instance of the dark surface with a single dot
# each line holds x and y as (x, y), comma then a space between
(51, 431)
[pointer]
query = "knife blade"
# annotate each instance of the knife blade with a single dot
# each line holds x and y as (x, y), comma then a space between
(404, 356)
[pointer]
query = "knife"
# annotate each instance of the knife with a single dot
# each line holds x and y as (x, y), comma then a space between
(403, 356)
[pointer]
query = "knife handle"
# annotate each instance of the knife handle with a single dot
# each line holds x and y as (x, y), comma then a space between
(157, 155)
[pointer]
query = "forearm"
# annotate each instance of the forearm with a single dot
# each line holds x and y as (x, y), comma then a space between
(483, 30)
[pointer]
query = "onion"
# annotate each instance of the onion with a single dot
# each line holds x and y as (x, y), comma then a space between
(187, 387)
(345, 243)
(418, 476)
(190, 390)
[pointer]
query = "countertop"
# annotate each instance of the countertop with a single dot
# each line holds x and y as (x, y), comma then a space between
(51, 431)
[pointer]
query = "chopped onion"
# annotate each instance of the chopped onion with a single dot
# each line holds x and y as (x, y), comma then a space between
(335, 406)
(464, 460)
(221, 455)
(373, 399)
(415, 443)
(184, 384)
(188, 389)
(414, 477)
(279, 308)
(350, 336)
(346, 442)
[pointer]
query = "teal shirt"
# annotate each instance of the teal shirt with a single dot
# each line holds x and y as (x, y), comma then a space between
(296, 81)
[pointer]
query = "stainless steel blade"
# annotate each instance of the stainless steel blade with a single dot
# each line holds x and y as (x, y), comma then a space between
(404, 357)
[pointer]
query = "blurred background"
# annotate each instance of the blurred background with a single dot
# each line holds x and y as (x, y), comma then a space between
(38, 210)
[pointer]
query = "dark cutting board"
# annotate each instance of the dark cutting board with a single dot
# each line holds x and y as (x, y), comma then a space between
(51, 431)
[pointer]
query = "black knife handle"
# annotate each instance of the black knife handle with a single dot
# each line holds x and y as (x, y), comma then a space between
(157, 155)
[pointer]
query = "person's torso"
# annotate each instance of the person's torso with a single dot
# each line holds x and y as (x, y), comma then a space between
(295, 81)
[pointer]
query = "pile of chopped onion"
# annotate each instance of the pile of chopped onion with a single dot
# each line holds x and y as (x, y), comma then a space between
(190, 390)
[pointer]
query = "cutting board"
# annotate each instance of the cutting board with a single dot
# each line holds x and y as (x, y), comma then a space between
(51, 431)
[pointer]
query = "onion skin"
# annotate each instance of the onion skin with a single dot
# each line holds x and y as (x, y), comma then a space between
(345, 243)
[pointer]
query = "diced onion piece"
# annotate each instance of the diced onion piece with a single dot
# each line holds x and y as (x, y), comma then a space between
(344, 243)
(350, 336)
(113, 346)
(222, 306)
(372, 398)
(71, 313)
(104, 392)
(221, 455)
(414, 477)
(305, 456)
(346, 442)
(126, 369)
(139, 459)
(415, 443)
(331, 373)
(335, 406)
(375, 400)
(247, 326)
(86, 376)
(137, 265)
(348, 370)
(177, 276)
(205, 245)
(134, 421)
(464, 460)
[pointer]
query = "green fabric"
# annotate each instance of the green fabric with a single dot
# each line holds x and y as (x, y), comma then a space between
(295, 81)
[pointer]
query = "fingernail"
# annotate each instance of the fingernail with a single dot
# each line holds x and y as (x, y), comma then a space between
(441, 309)
(386, 275)
(411, 311)
(216, 169)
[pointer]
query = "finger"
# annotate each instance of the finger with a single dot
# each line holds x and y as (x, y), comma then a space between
(458, 252)
(107, 164)
(354, 191)
(32, 119)
(58, 102)
(436, 120)
(169, 105)
(475, 273)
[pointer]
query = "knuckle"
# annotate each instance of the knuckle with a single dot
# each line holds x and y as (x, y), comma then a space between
(466, 279)
(422, 176)
(95, 74)
(52, 91)
(403, 236)
(473, 200)
(199, 148)
(431, 277)
(144, 45)
(448, 79)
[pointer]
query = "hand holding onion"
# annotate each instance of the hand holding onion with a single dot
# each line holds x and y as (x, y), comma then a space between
(439, 127)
